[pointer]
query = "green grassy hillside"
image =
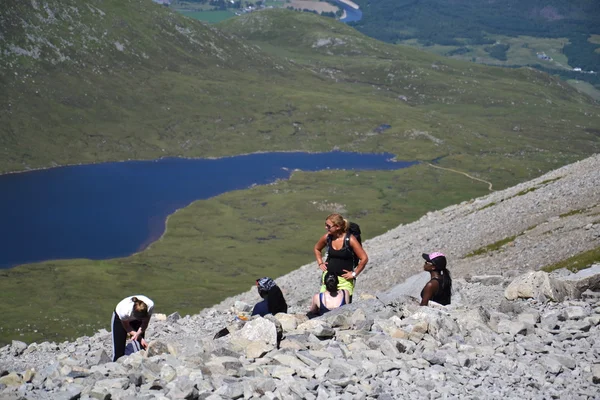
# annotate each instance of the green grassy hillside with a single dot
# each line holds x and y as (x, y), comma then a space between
(438, 106)
(509, 33)
(87, 82)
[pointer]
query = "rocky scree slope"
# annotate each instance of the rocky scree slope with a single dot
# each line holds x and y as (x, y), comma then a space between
(383, 345)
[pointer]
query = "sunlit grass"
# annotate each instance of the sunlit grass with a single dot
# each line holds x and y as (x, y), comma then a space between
(216, 248)
(267, 81)
(578, 262)
(491, 247)
(523, 51)
(209, 16)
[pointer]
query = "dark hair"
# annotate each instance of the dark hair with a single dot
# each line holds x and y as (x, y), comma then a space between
(331, 282)
(276, 301)
(446, 287)
(140, 309)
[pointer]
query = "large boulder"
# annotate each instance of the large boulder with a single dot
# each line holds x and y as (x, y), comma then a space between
(535, 284)
(581, 281)
(256, 338)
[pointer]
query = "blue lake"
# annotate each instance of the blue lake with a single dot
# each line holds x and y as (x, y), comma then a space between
(110, 210)
(352, 14)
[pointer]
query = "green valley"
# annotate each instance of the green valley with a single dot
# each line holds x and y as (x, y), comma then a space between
(86, 82)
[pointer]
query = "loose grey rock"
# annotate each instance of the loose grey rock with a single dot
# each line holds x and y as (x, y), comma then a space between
(543, 343)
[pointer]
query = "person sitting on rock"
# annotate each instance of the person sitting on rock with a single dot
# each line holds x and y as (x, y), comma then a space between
(331, 299)
(130, 318)
(439, 287)
(273, 300)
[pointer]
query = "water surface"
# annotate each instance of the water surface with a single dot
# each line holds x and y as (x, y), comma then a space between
(110, 210)
(352, 14)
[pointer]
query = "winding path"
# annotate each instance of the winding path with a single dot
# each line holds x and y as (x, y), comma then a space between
(465, 174)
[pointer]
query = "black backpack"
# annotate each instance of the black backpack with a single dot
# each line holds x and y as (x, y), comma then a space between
(353, 229)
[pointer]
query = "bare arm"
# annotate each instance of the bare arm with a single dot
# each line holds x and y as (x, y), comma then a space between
(143, 328)
(428, 291)
(314, 307)
(362, 256)
(347, 296)
(145, 323)
(136, 335)
(319, 246)
(128, 328)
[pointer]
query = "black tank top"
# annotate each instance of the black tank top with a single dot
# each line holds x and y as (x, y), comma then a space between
(339, 260)
(441, 296)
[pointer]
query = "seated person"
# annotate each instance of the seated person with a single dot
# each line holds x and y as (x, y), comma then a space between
(273, 300)
(331, 299)
(439, 288)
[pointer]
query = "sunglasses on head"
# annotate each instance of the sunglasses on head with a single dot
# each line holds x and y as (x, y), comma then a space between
(329, 226)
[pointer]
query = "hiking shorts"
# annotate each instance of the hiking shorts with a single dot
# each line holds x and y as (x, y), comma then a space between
(342, 284)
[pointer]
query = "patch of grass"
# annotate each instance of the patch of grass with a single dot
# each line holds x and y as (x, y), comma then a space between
(209, 16)
(572, 212)
(532, 227)
(524, 192)
(545, 182)
(491, 247)
(578, 262)
(492, 204)
(585, 87)
(534, 188)
(522, 50)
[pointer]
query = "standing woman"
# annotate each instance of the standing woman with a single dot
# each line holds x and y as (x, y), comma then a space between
(439, 287)
(131, 317)
(340, 257)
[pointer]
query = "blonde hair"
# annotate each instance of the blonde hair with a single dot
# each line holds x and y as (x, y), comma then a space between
(338, 220)
(140, 309)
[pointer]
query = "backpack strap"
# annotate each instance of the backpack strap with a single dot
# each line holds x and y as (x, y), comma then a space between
(328, 246)
(347, 247)
(328, 240)
(347, 241)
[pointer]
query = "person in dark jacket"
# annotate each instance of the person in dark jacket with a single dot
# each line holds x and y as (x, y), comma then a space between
(439, 287)
(273, 301)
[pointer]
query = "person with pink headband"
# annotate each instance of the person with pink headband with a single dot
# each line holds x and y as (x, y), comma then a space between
(439, 287)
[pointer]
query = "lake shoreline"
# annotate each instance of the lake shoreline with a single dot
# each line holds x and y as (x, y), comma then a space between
(350, 3)
(183, 158)
(113, 210)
